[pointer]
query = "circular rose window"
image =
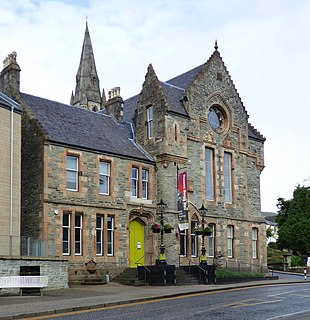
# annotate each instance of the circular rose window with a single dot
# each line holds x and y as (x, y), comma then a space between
(217, 118)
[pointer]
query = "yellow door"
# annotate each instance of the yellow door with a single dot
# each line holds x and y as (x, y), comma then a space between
(136, 229)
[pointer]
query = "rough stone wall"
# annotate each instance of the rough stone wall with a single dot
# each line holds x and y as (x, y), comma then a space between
(32, 176)
(89, 202)
(55, 269)
(5, 184)
(184, 142)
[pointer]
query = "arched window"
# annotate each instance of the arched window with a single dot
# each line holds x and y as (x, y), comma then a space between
(194, 238)
(230, 241)
(212, 241)
(175, 133)
(254, 243)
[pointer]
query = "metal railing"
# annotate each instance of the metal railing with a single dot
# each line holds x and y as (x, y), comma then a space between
(191, 265)
(26, 246)
(239, 266)
(146, 269)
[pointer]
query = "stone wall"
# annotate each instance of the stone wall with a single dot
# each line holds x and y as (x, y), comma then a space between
(32, 176)
(182, 140)
(89, 202)
(55, 269)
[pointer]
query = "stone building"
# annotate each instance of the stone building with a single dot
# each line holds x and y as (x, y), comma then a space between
(196, 122)
(10, 175)
(94, 171)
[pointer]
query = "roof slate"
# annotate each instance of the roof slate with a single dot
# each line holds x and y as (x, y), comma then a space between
(174, 92)
(76, 127)
(185, 79)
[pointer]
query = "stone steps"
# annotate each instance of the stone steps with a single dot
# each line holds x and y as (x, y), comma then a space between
(184, 278)
(129, 277)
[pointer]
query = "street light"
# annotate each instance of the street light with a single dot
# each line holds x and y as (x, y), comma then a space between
(203, 213)
(161, 207)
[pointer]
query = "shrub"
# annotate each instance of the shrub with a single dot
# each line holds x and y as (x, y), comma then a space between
(296, 261)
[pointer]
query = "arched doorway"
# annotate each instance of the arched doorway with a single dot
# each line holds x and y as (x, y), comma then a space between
(136, 230)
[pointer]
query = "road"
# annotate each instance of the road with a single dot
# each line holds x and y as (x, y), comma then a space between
(269, 302)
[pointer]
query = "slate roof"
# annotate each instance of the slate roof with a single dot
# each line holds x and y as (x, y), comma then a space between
(5, 101)
(80, 128)
(174, 92)
(185, 79)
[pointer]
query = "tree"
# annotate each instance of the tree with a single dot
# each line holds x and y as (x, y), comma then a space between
(294, 221)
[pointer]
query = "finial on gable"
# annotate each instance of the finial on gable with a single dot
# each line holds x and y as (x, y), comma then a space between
(216, 46)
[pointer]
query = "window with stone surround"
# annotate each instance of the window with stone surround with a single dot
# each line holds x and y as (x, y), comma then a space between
(230, 241)
(140, 182)
(209, 154)
(110, 236)
(145, 183)
(72, 228)
(227, 178)
(194, 239)
(212, 240)
(104, 177)
(78, 234)
(183, 251)
(66, 233)
(149, 121)
(254, 243)
(99, 234)
(72, 173)
(135, 182)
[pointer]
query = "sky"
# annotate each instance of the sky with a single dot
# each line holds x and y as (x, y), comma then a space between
(264, 44)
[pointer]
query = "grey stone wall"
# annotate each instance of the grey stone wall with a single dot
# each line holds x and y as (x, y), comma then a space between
(55, 269)
(213, 86)
(32, 176)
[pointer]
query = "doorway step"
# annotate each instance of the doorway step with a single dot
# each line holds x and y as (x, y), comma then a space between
(184, 277)
(129, 277)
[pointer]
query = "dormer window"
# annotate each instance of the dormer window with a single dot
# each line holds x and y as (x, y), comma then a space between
(149, 121)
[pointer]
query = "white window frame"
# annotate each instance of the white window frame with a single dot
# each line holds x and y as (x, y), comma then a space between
(135, 182)
(105, 176)
(230, 241)
(110, 236)
(209, 154)
(99, 234)
(145, 183)
(66, 230)
(74, 171)
(254, 243)
(194, 239)
(150, 113)
(78, 234)
(183, 235)
(212, 241)
(227, 177)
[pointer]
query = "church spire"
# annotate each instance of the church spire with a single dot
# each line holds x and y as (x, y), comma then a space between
(87, 91)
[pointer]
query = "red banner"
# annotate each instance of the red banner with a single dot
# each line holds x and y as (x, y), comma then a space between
(182, 201)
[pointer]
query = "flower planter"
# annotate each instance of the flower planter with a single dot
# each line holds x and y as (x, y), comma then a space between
(156, 230)
(204, 233)
(168, 230)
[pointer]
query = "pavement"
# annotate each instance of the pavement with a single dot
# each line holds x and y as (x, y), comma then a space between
(95, 296)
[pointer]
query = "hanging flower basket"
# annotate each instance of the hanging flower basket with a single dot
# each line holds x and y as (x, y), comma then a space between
(168, 228)
(206, 231)
(155, 227)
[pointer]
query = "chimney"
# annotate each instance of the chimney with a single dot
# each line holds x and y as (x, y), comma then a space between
(115, 104)
(9, 77)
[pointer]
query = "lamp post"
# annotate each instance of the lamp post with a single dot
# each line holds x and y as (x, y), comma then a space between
(161, 206)
(203, 258)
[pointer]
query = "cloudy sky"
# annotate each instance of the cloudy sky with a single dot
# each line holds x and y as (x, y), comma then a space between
(264, 44)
